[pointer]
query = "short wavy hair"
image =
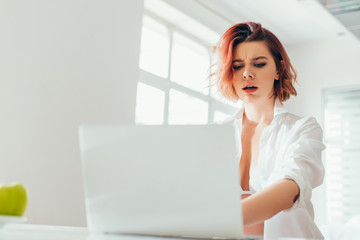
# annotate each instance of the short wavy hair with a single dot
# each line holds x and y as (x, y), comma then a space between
(250, 32)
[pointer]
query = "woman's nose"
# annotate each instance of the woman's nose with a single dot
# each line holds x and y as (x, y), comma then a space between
(247, 75)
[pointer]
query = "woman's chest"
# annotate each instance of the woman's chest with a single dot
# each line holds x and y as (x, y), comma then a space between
(262, 152)
(250, 146)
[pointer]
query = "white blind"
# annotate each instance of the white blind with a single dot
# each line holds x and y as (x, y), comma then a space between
(342, 137)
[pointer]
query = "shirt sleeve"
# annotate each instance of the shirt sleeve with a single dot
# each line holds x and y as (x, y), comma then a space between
(301, 160)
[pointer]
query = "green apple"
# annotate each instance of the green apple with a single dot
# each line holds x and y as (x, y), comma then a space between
(13, 199)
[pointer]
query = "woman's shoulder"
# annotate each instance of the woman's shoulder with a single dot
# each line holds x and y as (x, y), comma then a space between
(300, 126)
(295, 121)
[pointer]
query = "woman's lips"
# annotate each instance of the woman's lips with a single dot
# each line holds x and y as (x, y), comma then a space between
(250, 89)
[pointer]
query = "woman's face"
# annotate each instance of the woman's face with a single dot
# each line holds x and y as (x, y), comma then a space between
(254, 72)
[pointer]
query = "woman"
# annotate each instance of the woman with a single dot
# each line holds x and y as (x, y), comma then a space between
(280, 153)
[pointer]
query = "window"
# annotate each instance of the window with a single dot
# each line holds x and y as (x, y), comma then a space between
(189, 63)
(154, 48)
(342, 137)
(185, 109)
(149, 105)
(174, 69)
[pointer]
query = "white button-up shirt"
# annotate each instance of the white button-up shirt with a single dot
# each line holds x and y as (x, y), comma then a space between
(290, 148)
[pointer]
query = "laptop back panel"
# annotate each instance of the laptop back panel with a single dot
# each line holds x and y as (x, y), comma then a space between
(161, 180)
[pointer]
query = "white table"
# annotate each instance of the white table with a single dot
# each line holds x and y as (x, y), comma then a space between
(44, 232)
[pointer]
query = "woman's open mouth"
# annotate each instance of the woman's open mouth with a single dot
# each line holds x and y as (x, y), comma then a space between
(250, 89)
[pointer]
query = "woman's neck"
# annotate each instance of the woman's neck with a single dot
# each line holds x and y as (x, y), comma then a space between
(260, 113)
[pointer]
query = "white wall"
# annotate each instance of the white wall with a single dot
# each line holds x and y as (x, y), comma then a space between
(324, 64)
(62, 63)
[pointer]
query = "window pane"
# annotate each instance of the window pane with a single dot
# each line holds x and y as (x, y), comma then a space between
(184, 109)
(154, 54)
(220, 116)
(149, 105)
(342, 137)
(190, 64)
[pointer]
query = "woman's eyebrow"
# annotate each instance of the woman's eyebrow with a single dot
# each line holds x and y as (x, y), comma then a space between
(254, 59)
(258, 58)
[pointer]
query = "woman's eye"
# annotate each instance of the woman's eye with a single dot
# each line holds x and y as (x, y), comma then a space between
(259, 65)
(237, 67)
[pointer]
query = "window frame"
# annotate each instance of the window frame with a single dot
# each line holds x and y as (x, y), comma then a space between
(166, 84)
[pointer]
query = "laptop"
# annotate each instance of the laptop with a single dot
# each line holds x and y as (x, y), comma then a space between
(171, 181)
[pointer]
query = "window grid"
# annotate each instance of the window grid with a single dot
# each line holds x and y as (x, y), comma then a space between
(342, 138)
(166, 84)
